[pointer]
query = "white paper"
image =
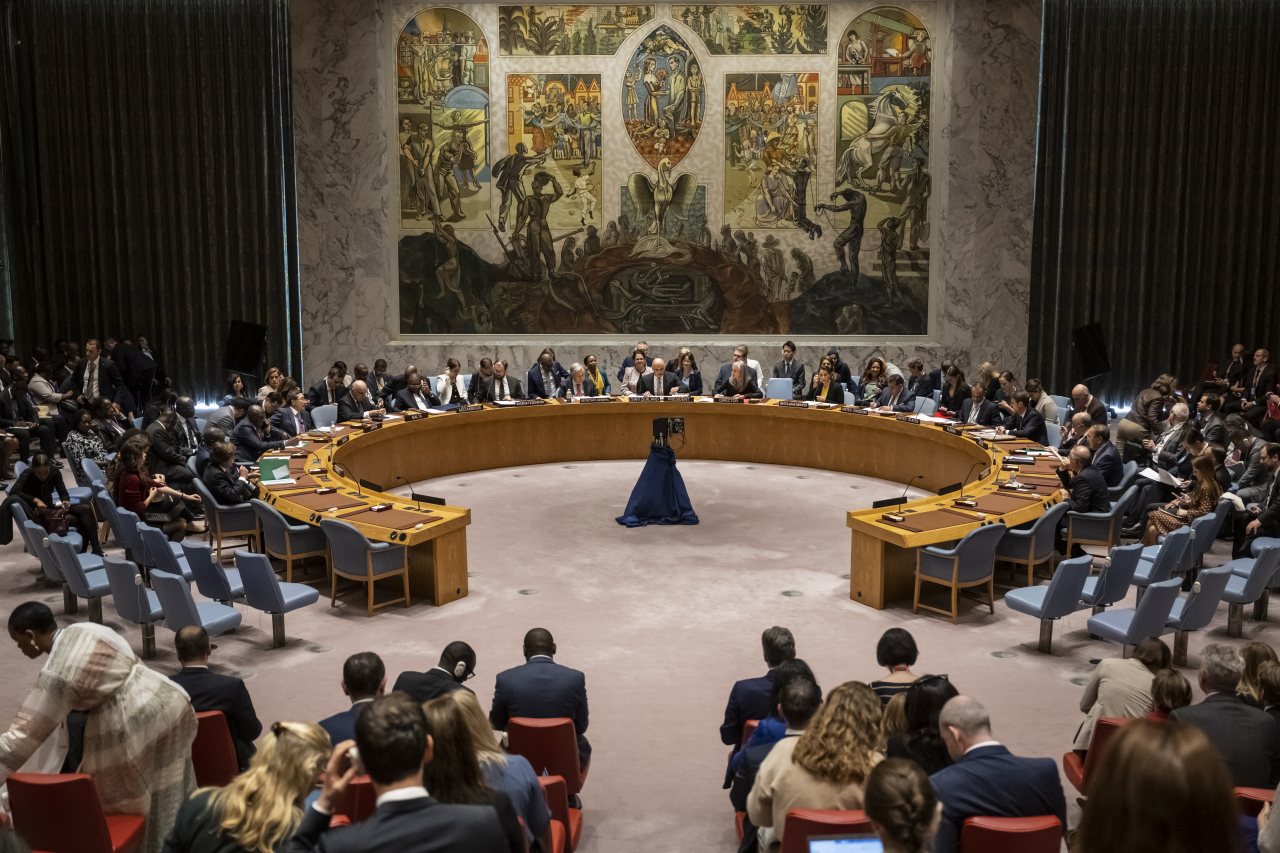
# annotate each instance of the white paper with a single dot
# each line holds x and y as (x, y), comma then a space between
(930, 419)
(392, 417)
(437, 412)
(502, 403)
(277, 482)
(1159, 475)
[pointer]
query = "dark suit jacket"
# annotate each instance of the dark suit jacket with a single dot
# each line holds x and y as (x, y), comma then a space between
(350, 410)
(1215, 430)
(514, 388)
(1088, 490)
(922, 386)
(692, 385)
(566, 387)
(403, 399)
(752, 388)
(226, 487)
(165, 457)
(1096, 411)
(1107, 460)
(425, 686)
(381, 388)
(988, 415)
(342, 726)
(543, 688)
(250, 444)
(726, 373)
(1246, 738)
(669, 381)
(1266, 384)
(992, 782)
(1269, 518)
(318, 394)
(906, 400)
(533, 380)
(748, 700)
(282, 420)
(421, 825)
(110, 383)
(210, 691)
(1171, 451)
(798, 384)
(835, 393)
(1031, 426)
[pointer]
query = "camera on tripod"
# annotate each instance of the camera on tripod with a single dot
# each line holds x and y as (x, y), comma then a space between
(664, 428)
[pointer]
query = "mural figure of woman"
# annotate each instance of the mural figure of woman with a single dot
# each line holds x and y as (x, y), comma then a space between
(773, 199)
(695, 86)
(632, 101)
(653, 88)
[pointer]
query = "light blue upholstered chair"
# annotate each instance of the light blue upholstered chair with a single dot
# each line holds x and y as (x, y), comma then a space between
(134, 602)
(93, 471)
(1112, 585)
(355, 557)
(779, 388)
(36, 536)
(1050, 603)
(1128, 626)
(970, 563)
(1260, 544)
(926, 406)
(1034, 545)
(1055, 434)
(20, 518)
(266, 593)
(1126, 480)
(1098, 529)
(288, 540)
(1063, 404)
(1197, 610)
(1167, 560)
(82, 572)
(160, 553)
(324, 416)
(213, 580)
(1250, 577)
(226, 521)
(181, 610)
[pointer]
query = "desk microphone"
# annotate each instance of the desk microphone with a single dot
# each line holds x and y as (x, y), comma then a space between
(965, 482)
(903, 499)
(412, 494)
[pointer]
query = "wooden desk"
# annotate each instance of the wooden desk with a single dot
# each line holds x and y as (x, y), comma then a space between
(882, 562)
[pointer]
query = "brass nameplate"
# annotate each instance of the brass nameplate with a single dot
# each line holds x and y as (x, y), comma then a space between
(477, 407)
(722, 400)
(370, 427)
(794, 404)
(909, 419)
(342, 441)
(853, 410)
(534, 401)
(414, 415)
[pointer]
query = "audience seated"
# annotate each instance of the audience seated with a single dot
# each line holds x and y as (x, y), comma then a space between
(902, 805)
(771, 728)
(293, 419)
(41, 491)
(978, 409)
(83, 442)
(1082, 483)
(478, 378)
(271, 382)
(1160, 787)
(227, 480)
(1042, 402)
(1170, 691)
(1084, 402)
(1253, 474)
(1076, 434)
(922, 741)
(839, 369)
(1165, 450)
(416, 395)
(896, 651)
(211, 691)
(1254, 654)
(326, 392)
(1264, 514)
(18, 419)
(1221, 380)
(1121, 688)
(235, 388)
(657, 382)
(824, 388)
(457, 665)
(825, 767)
(1211, 422)
(987, 780)
(790, 368)
(165, 458)
(395, 742)
(1269, 688)
(95, 376)
(212, 435)
(1256, 385)
(750, 697)
(1247, 739)
(253, 436)
(228, 417)
(499, 386)
(364, 678)
(895, 397)
(919, 383)
(358, 403)
(1026, 422)
(542, 688)
(893, 719)
(1202, 499)
(380, 381)
(872, 382)
(1105, 457)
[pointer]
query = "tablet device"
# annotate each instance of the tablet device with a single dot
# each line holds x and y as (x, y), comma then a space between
(845, 844)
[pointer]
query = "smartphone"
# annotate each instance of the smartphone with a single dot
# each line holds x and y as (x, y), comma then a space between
(353, 755)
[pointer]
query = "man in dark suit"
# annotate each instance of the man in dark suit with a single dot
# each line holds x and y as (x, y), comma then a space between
(129, 361)
(98, 376)
(226, 417)
(895, 397)
(1212, 424)
(364, 678)
(19, 417)
(253, 436)
(416, 394)
(1075, 433)
(293, 419)
(542, 688)
(657, 384)
(1105, 456)
(1166, 448)
(578, 384)
(920, 383)
(1083, 486)
(1083, 401)
(328, 391)
(501, 385)
(186, 430)
(1027, 422)
(1247, 739)
(1266, 520)
(380, 382)
(165, 457)
(210, 691)
(986, 779)
(791, 369)
(1256, 384)
(478, 378)
(749, 698)
(978, 409)
(1253, 476)
(151, 371)
(1222, 380)
(457, 664)
(357, 403)
(394, 742)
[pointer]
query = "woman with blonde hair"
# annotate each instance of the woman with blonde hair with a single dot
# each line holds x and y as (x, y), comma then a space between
(893, 723)
(826, 767)
(1254, 654)
(273, 379)
(259, 810)
(1145, 419)
(511, 774)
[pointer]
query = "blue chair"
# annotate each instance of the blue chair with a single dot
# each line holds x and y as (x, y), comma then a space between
(160, 553)
(201, 423)
(937, 398)
(1101, 529)
(926, 407)
(1034, 545)
(93, 471)
(212, 578)
(1262, 543)
(970, 563)
(1063, 404)
(1167, 560)
(226, 522)
(1050, 603)
(266, 593)
(20, 518)
(134, 602)
(1207, 528)
(324, 416)
(191, 466)
(181, 610)
(36, 536)
(1130, 471)
(1128, 626)
(110, 515)
(1250, 577)
(779, 388)
(1055, 434)
(83, 573)
(137, 423)
(1112, 585)
(355, 557)
(287, 540)
(1197, 610)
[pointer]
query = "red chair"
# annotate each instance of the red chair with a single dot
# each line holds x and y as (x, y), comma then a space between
(62, 813)
(359, 801)
(738, 818)
(748, 729)
(1011, 835)
(802, 823)
(1077, 771)
(213, 753)
(570, 820)
(551, 746)
(1251, 800)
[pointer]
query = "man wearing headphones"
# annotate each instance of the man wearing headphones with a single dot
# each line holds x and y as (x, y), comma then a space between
(457, 664)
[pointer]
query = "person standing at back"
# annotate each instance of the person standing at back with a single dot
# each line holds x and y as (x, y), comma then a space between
(542, 688)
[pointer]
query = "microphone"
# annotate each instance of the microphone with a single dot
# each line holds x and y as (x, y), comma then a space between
(903, 499)
(414, 496)
(965, 482)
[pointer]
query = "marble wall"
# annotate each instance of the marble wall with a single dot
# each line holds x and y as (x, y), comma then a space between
(986, 72)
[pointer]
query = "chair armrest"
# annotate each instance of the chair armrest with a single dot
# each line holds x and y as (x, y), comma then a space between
(381, 546)
(1090, 516)
(939, 552)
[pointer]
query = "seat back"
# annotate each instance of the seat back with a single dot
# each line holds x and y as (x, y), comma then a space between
(1251, 800)
(1152, 612)
(1203, 532)
(19, 468)
(324, 416)
(1011, 835)
(359, 800)
(1104, 730)
(1260, 575)
(928, 407)
(1170, 555)
(1063, 404)
(206, 496)
(802, 823)
(127, 591)
(748, 729)
(210, 577)
(59, 812)
(175, 597)
(132, 540)
(1202, 602)
(155, 546)
(274, 526)
(64, 556)
(1055, 434)
(937, 398)
(347, 545)
(213, 753)
(1046, 527)
(1129, 471)
(93, 471)
(106, 508)
(261, 586)
(1063, 597)
(550, 745)
(20, 519)
(556, 794)
(977, 551)
(779, 388)
(37, 536)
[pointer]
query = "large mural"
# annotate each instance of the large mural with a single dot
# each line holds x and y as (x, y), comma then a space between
(812, 218)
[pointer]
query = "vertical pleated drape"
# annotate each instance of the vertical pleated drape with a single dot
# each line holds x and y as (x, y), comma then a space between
(1156, 185)
(150, 176)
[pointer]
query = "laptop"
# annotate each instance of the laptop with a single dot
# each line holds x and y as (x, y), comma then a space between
(869, 843)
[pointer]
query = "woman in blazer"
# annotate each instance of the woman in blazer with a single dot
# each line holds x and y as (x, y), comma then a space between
(824, 388)
(954, 391)
(596, 377)
(687, 372)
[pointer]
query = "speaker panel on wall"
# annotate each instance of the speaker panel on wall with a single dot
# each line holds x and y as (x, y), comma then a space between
(244, 348)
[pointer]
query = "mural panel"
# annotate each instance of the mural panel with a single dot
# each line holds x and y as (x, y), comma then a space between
(567, 30)
(757, 30)
(663, 97)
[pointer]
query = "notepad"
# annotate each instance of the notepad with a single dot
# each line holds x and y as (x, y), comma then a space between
(273, 469)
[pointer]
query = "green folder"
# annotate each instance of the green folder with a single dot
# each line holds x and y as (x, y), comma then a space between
(273, 469)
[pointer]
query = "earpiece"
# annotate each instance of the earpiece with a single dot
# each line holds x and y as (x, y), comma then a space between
(460, 669)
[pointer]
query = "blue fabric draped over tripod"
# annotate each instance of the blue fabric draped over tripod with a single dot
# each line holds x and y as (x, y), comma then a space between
(659, 496)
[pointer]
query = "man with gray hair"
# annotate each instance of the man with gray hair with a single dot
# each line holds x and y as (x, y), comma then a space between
(576, 383)
(987, 779)
(659, 383)
(1245, 737)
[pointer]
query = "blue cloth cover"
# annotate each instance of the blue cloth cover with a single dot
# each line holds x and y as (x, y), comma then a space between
(659, 496)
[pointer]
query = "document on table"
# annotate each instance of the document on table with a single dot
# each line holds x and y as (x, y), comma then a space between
(930, 419)
(437, 412)
(1160, 476)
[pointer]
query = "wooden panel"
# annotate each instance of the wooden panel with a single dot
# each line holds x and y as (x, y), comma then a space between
(438, 568)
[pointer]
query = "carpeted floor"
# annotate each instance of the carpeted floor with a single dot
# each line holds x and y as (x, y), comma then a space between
(662, 620)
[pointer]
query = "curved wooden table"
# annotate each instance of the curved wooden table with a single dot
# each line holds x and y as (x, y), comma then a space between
(882, 555)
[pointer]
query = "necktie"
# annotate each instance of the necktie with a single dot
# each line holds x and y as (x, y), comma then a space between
(893, 401)
(93, 380)
(297, 423)
(578, 393)
(788, 368)
(422, 404)
(502, 388)
(331, 400)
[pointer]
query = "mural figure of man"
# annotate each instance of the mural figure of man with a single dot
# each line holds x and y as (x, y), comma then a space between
(677, 90)
(532, 217)
(508, 176)
(800, 177)
(419, 149)
(856, 204)
(421, 69)
(915, 207)
(890, 243)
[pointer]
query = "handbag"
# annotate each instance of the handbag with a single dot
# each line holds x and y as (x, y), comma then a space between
(164, 510)
(53, 519)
